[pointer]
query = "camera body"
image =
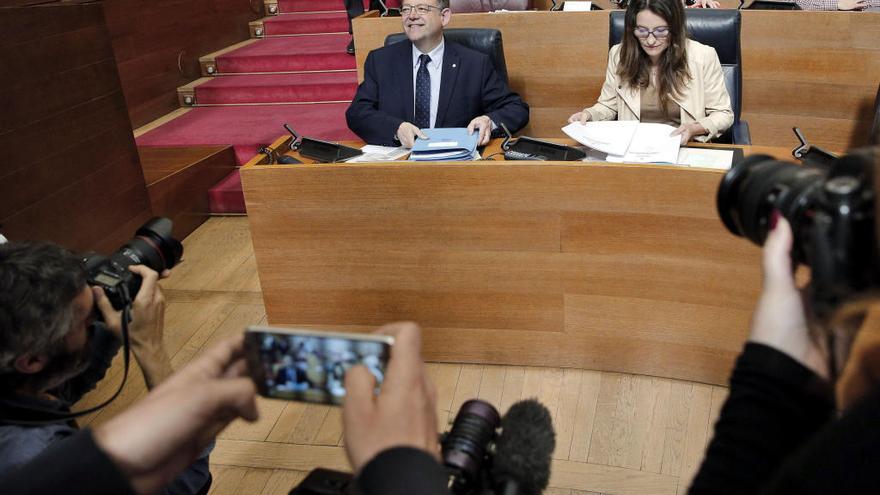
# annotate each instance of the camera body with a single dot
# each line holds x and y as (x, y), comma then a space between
(831, 211)
(152, 246)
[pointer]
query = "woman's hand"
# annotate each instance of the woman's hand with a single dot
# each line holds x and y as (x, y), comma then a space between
(688, 131)
(705, 4)
(582, 117)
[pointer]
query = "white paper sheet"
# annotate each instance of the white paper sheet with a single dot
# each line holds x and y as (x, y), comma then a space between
(705, 158)
(612, 137)
(373, 153)
(628, 141)
(576, 6)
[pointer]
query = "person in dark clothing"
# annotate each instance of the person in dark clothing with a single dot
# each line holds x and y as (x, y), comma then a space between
(355, 8)
(778, 431)
(53, 351)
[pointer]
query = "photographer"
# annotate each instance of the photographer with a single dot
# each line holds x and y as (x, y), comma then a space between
(777, 432)
(144, 447)
(391, 439)
(54, 349)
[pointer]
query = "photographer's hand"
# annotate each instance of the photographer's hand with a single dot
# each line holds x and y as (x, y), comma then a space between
(146, 327)
(155, 439)
(780, 320)
(403, 414)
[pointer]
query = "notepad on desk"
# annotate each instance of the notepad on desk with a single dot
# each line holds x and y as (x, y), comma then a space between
(445, 144)
(628, 140)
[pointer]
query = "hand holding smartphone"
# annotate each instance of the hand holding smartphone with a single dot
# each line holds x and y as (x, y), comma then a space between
(310, 365)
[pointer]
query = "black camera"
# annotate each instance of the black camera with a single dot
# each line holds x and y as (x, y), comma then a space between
(482, 452)
(152, 246)
(830, 206)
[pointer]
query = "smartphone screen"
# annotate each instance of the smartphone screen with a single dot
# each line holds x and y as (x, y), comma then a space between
(310, 365)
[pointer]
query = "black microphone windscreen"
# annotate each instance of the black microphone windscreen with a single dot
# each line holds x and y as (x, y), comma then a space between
(524, 450)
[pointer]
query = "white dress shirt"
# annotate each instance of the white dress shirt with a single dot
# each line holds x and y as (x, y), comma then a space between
(435, 69)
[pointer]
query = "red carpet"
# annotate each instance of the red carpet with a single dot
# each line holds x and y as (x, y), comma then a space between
(297, 53)
(306, 23)
(309, 5)
(272, 88)
(291, 75)
(249, 127)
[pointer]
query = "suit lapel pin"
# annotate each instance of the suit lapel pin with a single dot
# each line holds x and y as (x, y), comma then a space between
(453, 66)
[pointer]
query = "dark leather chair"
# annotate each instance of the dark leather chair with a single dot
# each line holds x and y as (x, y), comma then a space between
(486, 41)
(874, 137)
(720, 29)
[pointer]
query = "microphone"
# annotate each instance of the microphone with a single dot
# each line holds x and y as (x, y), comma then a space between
(524, 450)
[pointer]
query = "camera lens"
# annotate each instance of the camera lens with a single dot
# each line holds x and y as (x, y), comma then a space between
(753, 188)
(154, 246)
(464, 447)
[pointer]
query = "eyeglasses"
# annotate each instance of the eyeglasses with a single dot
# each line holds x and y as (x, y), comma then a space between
(422, 9)
(659, 33)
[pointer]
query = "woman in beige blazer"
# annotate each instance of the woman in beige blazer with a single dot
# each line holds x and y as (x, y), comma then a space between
(657, 74)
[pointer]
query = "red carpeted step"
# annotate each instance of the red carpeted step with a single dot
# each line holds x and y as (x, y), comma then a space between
(247, 128)
(297, 53)
(226, 196)
(305, 23)
(309, 5)
(278, 88)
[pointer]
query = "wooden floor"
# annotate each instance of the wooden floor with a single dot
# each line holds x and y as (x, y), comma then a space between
(616, 433)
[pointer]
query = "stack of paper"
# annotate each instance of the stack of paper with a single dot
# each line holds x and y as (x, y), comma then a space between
(445, 144)
(628, 140)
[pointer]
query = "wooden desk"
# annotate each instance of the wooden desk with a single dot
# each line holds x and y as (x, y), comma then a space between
(815, 70)
(610, 267)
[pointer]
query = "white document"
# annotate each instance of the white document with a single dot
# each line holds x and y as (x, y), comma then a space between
(705, 158)
(611, 136)
(628, 141)
(373, 153)
(576, 6)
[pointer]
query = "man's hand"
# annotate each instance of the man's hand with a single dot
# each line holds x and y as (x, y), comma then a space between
(147, 324)
(157, 438)
(582, 117)
(407, 134)
(851, 4)
(688, 131)
(484, 124)
(403, 415)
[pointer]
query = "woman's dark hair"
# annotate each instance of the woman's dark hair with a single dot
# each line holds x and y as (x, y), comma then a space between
(672, 69)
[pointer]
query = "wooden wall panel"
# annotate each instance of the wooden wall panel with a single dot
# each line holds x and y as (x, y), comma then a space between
(158, 44)
(824, 82)
(70, 172)
(610, 267)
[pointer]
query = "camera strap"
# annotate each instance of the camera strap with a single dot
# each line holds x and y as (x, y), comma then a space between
(40, 417)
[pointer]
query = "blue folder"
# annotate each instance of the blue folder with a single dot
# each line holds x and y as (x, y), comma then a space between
(452, 143)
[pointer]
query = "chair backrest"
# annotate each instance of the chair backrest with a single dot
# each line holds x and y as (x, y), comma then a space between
(874, 138)
(718, 28)
(483, 40)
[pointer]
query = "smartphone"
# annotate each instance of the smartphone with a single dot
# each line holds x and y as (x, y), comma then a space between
(310, 365)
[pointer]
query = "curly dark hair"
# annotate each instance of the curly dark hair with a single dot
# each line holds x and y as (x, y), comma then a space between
(38, 284)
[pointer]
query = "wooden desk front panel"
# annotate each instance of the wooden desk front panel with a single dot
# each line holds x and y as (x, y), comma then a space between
(816, 70)
(604, 267)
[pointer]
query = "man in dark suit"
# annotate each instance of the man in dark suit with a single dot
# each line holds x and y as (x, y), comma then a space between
(428, 82)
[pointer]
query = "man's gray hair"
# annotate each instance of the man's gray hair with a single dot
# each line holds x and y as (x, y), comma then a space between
(38, 284)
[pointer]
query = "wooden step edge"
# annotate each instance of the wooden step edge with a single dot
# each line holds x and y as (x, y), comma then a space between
(160, 121)
(186, 94)
(256, 28)
(208, 62)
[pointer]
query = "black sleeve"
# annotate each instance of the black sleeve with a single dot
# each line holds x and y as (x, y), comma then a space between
(403, 471)
(500, 103)
(841, 459)
(73, 466)
(775, 405)
(363, 115)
